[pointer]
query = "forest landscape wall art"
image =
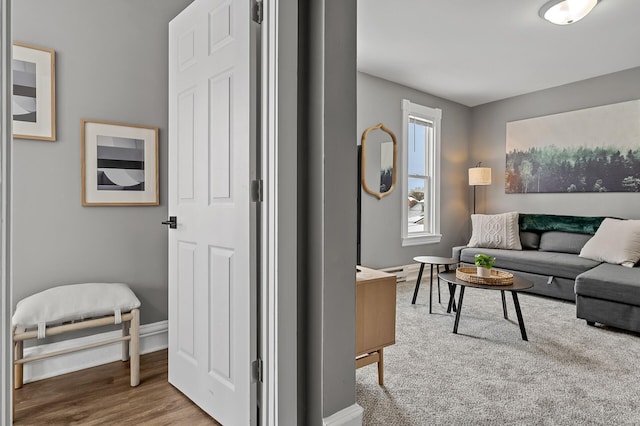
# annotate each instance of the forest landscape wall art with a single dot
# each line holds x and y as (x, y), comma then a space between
(590, 150)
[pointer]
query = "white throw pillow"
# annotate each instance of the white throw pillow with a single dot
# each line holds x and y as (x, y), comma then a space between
(616, 241)
(74, 302)
(500, 231)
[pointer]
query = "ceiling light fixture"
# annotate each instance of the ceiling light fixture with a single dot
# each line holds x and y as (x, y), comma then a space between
(565, 12)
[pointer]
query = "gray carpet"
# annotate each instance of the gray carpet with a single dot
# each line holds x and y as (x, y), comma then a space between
(566, 374)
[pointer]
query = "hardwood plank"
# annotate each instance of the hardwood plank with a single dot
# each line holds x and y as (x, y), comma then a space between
(102, 395)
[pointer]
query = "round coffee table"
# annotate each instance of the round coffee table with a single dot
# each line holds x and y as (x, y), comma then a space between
(433, 261)
(519, 284)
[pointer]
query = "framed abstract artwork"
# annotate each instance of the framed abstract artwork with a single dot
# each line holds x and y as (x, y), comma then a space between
(34, 89)
(119, 164)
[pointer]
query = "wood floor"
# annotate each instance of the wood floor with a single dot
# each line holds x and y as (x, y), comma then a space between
(102, 396)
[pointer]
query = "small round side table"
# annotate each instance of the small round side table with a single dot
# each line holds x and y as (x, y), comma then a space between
(433, 261)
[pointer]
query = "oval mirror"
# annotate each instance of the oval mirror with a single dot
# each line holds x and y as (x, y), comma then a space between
(379, 161)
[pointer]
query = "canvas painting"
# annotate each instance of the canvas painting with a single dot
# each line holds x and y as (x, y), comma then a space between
(590, 150)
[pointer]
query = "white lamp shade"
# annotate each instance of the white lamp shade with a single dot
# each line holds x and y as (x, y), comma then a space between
(479, 176)
(564, 12)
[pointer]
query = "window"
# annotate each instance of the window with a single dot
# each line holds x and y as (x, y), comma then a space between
(420, 174)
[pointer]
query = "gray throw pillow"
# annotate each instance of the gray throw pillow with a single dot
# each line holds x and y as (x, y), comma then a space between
(563, 242)
(529, 240)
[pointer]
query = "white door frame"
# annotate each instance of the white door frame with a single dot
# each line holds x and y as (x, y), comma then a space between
(279, 318)
(6, 370)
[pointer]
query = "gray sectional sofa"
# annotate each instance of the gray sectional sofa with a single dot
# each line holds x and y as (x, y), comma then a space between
(604, 293)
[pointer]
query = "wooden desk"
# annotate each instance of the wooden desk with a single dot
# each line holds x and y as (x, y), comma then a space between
(375, 317)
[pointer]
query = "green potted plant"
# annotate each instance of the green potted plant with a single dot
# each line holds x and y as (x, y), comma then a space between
(484, 263)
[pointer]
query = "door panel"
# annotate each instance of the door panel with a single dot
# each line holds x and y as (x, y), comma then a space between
(186, 291)
(221, 265)
(212, 307)
(186, 135)
(220, 99)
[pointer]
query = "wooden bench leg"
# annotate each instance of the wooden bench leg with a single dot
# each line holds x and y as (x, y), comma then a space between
(18, 369)
(134, 364)
(125, 343)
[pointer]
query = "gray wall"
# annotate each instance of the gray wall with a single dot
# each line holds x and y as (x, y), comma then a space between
(111, 65)
(379, 101)
(327, 243)
(489, 138)
(477, 134)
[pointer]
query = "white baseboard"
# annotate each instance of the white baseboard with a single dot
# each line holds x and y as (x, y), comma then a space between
(350, 416)
(153, 337)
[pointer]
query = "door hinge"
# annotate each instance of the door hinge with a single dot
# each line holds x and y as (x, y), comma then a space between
(257, 11)
(256, 190)
(256, 370)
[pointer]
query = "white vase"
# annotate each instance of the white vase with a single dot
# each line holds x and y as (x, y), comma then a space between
(483, 272)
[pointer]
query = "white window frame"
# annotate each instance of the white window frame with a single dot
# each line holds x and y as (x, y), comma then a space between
(433, 115)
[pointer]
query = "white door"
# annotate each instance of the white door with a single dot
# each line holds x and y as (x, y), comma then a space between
(212, 306)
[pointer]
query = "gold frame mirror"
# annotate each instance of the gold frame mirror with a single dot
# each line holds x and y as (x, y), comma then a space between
(394, 169)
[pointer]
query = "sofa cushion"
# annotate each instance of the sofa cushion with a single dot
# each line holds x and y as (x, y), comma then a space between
(545, 263)
(617, 241)
(495, 231)
(550, 222)
(610, 282)
(74, 302)
(564, 242)
(529, 240)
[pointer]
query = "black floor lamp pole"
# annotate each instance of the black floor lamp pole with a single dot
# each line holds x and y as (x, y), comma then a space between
(474, 199)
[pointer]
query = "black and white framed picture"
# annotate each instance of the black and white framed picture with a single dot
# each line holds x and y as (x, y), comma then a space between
(33, 100)
(119, 164)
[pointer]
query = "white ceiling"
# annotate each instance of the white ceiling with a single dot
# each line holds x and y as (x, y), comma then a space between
(478, 51)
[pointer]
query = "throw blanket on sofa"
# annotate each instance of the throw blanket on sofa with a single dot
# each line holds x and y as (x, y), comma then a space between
(548, 222)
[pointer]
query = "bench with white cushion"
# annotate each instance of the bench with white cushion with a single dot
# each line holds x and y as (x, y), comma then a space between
(74, 307)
